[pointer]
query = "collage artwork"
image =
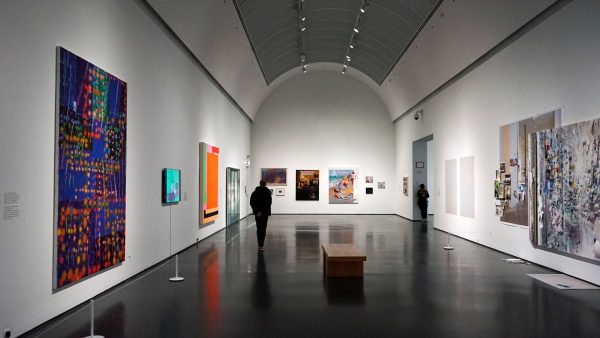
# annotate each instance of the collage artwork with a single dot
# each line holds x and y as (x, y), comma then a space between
(342, 186)
(90, 170)
(567, 167)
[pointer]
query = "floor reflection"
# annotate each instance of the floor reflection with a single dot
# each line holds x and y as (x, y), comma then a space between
(307, 242)
(261, 289)
(344, 291)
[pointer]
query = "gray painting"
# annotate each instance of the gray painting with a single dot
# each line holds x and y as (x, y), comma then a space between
(568, 190)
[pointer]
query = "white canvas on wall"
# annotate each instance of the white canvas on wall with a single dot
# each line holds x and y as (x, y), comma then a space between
(451, 186)
(467, 187)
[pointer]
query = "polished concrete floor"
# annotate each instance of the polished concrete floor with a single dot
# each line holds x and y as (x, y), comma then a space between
(411, 288)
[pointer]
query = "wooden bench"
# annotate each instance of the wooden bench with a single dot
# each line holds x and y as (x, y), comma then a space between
(342, 260)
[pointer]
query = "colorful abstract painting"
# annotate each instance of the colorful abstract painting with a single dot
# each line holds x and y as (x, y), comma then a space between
(209, 183)
(513, 154)
(274, 176)
(90, 170)
(171, 186)
(307, 185)
(568, 190)
(342, 186)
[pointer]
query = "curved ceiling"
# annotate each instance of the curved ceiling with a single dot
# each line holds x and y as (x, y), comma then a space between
(456, 35)
(286, 34)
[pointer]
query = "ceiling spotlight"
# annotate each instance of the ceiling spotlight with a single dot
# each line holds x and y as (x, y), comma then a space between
(347, 57)
(351, 46)
(363, 7)
(356, 30)
(303, 19)
(304, 69)
(302, 28)
(302, 57)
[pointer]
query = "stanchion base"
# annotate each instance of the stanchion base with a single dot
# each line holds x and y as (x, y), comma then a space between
(448, 248)
(176, 279)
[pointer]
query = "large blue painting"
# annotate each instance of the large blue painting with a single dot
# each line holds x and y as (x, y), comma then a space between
(90, 170)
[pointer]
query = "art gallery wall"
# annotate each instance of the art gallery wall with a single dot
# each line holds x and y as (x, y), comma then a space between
(172, 106)
(320, 120)
(430, 177)
(553, 65)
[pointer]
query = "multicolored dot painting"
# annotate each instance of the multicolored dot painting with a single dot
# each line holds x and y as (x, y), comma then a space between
(90, 164)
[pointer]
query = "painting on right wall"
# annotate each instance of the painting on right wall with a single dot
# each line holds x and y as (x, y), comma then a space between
(512, 180)
(566, 166)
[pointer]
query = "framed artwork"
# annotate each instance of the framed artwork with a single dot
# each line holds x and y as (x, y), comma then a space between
(209, 183)
(405, 185)
(307, 185)
(369, 191)
(343, 186)
(274, 176)
(368, 179)
(566, 165)
(514, 148)
(171, 186)
(279, 191)
(90, 170)
(381, 185)
(420, 164)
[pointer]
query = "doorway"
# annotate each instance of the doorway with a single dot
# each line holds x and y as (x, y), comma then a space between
(232, 203)
(423, 151)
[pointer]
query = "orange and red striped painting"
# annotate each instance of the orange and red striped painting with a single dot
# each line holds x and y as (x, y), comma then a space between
(209, 183)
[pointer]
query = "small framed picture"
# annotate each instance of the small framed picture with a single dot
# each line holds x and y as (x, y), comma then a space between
(380, 185)
(420, 164)
(279, 191)
(369, 191)
(368, 179)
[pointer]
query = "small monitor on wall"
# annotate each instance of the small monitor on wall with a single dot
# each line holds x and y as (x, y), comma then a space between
(171, 186)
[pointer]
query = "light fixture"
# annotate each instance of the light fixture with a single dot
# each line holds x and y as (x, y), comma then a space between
(364, 6)
(351, 46)
(302, 28)
(303, 19)
(356, 30)
(302, 57)
(304, 69)
(344, 69)
(347, 57)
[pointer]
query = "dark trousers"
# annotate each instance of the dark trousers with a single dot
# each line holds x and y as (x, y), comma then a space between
(423, 207)
(261, 229)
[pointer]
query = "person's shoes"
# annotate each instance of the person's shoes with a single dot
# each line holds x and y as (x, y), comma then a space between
(261, 248)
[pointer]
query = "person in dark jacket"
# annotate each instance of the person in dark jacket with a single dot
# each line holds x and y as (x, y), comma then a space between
(422, 196)
(260, 201)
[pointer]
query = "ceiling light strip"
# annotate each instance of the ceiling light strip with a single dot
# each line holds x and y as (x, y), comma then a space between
(355, 30)
(302, 28)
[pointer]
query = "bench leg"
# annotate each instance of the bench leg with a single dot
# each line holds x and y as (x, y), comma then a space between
(343, 269)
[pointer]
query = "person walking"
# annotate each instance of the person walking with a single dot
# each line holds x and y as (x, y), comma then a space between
(260, 201)
(422, 196)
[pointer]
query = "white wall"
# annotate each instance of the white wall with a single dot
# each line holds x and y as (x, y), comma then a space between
(430, 177)
(171, 108)
(553, 65)
(321, 120)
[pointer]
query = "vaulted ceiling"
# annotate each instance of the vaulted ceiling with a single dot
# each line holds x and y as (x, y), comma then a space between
(369, 35)
(404, 50)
